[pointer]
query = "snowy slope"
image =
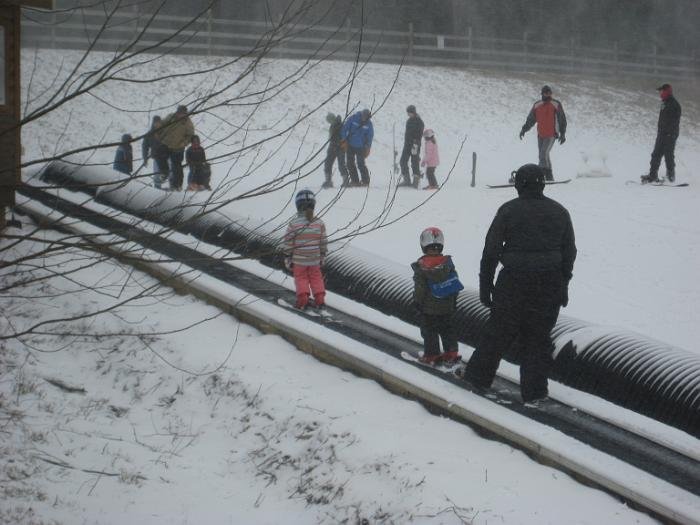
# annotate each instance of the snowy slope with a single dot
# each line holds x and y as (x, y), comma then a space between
(638, 246)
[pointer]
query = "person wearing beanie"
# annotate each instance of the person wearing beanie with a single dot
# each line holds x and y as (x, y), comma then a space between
(175, 132)
(548, 114)
(411, 147)
(124, 156)
(532, 237)
(335, 151)
(667, 131)
(356, 137)
(431, 159)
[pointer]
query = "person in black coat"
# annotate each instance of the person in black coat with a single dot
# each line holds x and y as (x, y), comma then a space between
(667, 133)
(411, 147)
(533, 238)
(335, 151)
(199, 176)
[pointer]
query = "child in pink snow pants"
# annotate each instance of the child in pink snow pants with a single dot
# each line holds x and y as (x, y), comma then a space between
(305, 248)
(431, 159)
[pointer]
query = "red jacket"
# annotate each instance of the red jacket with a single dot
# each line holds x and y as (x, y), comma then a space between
(550, 118)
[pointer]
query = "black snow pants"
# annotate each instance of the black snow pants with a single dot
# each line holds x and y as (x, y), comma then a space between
(665, 147)
(525, 308)
(415, 162)
(436, 327)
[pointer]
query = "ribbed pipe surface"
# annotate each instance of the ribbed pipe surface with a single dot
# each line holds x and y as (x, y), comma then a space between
(629, 369)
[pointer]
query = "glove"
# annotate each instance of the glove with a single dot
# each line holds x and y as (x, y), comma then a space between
(414, 149)
(485, 289)
(564, 294)
(562, 138)
(522, 134)
(367, 150)
(288, 264)
(344, 144)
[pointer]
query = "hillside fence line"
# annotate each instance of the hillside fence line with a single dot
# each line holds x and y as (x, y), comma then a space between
(221, 37)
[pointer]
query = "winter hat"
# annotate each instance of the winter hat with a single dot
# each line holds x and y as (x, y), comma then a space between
(411, 109)
(305, 199)
(126, 138)
(181, 109)
(194, 137)
(330, 117)
(529, 177)
(428, 133)
(366, 114)
(665, 91)
(546, 90)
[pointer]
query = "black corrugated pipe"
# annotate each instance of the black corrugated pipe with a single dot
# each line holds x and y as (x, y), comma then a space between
(629, 369)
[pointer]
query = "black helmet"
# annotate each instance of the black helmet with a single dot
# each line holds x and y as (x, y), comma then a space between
(529, 177)
(305, 200)
(546, 90)
(411, 109)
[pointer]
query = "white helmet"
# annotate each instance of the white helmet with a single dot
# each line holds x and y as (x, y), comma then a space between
(432, 237)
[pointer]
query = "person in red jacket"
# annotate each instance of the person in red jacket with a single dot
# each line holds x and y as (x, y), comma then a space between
(549, 115)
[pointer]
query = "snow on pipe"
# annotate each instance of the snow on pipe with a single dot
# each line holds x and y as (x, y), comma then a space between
(629, 369)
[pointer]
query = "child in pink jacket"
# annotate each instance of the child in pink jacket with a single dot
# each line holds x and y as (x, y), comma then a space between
(431, 158)
(305, 248)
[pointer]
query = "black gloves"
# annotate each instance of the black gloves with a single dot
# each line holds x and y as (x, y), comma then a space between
(562, 138)
(485, 290)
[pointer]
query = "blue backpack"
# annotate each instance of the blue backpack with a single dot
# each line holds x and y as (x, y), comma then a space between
(450, 286)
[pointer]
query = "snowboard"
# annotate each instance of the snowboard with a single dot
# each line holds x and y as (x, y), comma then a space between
(444, 368)
(310, 311)
(661, 182)
(547, 183)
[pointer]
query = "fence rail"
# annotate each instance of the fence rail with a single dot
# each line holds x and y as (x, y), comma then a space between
(210, 36)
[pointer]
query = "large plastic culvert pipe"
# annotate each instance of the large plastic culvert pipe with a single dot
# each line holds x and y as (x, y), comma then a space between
(626, 368)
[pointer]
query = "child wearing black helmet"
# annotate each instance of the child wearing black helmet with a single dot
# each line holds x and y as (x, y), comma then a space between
(436, 286)
(305, 248)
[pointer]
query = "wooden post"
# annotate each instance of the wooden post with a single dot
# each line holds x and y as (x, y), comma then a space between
(9, 106)
(410, 40)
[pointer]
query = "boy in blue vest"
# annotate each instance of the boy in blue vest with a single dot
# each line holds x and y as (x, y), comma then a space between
(436, 286)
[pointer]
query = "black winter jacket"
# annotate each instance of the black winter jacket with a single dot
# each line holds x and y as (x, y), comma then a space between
(531, 233)
(334, 131)
(414, 130)
(427, 269)
(670, 118)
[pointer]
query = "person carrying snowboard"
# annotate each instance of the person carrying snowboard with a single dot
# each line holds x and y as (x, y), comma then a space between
(411, 147)
(305, 248)
(435, 288)
(549, 115)
(668, 129)
(334, 151)
(431, 159)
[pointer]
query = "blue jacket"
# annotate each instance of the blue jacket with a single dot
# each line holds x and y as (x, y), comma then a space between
(358, 134)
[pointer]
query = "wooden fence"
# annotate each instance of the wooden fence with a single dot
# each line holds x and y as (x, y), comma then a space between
(209, 36)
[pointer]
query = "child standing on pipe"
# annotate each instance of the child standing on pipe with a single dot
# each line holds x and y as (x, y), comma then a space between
(305, 249)
(436, 286)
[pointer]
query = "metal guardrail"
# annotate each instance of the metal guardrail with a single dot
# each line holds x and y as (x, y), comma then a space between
(210, 36)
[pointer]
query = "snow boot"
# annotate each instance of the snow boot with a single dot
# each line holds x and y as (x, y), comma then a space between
(327, 184)
(416, 180)
(406, 180)
(548, 175)
(671, 175)
(652, 177)
(451, 358)
(429, 359)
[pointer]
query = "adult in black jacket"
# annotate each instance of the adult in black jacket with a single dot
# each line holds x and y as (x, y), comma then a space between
(533, 238)
(334, 151)
(411, 147)
(667, 132)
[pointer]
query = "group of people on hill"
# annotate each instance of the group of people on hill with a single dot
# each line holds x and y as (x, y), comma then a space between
(350, 143)
(532, 237)
(168, 142)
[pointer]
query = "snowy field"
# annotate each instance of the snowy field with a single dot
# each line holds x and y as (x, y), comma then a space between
(273, 436)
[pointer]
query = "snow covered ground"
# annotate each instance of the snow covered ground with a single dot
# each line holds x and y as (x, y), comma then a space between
(272, 435)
